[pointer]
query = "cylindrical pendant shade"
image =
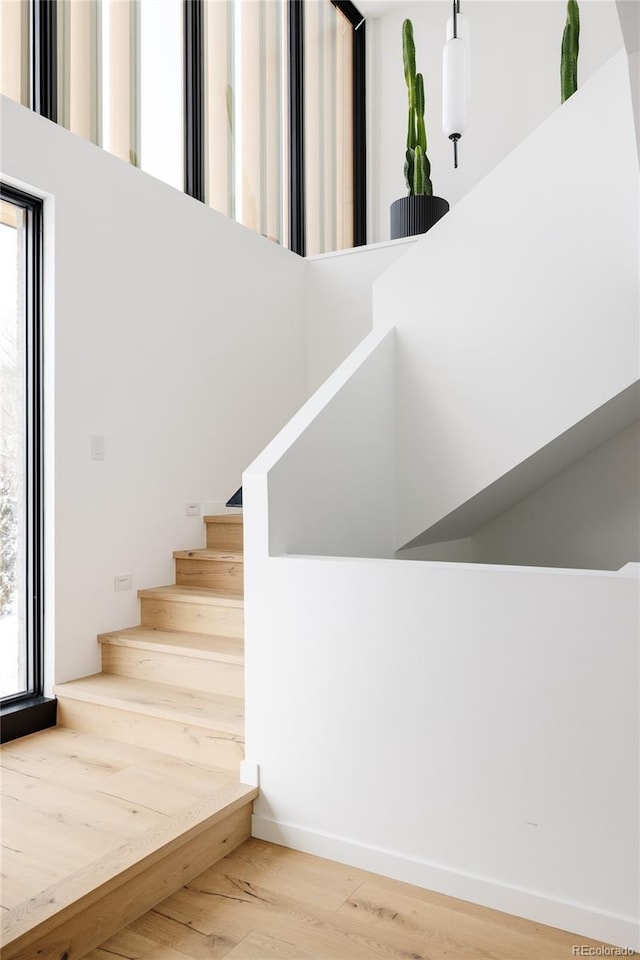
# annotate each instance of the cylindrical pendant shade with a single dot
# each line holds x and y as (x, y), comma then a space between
(455, 87)
(464, 33)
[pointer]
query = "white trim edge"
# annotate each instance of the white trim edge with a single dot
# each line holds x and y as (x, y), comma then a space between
(574, 917)
(250, 773)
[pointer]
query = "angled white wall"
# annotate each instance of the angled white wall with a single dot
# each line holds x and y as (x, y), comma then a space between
(330, 470)
(172, 331)
(534, 330)
(587, 517)
(629, 14)
(340, 302)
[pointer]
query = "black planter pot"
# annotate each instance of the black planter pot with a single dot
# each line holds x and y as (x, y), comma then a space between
(413, 215)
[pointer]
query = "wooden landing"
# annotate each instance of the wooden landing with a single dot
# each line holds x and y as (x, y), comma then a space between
(264, 902)
(94, 829)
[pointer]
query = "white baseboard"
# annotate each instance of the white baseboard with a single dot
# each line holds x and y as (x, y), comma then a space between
(606, 927)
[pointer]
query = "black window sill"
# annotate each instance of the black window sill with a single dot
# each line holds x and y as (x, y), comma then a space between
(26, 716)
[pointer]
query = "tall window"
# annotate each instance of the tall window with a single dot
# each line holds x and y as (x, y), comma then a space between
(328, 86)
(20, 447)
(255, 107)
(244, 57)
(15, 36)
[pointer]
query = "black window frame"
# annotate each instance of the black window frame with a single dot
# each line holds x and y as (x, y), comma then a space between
(30, 710)
(297, 197)
(44, 100)
(359, 24)
(44, 58)
(194, 145)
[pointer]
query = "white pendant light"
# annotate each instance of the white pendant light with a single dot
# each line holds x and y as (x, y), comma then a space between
(455, 79)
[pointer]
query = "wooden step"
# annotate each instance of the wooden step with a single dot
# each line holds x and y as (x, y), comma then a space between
(224, 532)
(203, 645)
(217, 569)
(193, 660)
(106, 832)
(192, 609)
(196, 725)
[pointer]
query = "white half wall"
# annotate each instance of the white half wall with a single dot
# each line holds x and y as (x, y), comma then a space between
(473, 730)
(330, 470)
(172, 331)
(535, 329)
(515, 74)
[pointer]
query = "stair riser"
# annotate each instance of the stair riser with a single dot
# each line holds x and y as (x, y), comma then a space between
(224, 536)
(217, 574)
(183, 671)
(196, 744)
(87, 928)
(192, 617)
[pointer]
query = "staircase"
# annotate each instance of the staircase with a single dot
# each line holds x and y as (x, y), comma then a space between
(174, 684)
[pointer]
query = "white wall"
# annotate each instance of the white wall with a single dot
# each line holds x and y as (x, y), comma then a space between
(175, 333)
(331, 475)
(454, 726)
(448, 724)
(340, 307)
(588, 516)
(515, 64)
(540, 329)
(629, 13)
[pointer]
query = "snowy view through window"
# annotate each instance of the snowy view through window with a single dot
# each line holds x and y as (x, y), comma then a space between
(13, 673)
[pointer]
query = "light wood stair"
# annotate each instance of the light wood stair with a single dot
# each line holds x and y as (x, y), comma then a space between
(197, 725)
(198, 661)
(192, 609)
(174, 684)
(224, 533)
(219, 569)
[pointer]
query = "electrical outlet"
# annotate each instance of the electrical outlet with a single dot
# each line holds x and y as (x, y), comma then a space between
(97, 447)
(123, 582)
(192, 509)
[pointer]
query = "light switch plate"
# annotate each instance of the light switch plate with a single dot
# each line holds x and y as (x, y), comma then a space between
(97, 447)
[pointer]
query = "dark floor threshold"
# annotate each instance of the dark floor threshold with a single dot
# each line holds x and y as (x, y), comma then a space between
(27, 716)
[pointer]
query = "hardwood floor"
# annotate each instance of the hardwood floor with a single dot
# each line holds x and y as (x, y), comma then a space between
(265, 902)
(83, 813)
(98, 825)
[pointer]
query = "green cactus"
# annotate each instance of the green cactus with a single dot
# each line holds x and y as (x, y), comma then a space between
(418, 178)
(417, 169)
(570, 50)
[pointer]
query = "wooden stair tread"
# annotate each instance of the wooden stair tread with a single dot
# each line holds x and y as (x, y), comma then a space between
(186, 594)
(160, 700)
(208, 554)
(201, 646)
(63, 756)
(229, 518)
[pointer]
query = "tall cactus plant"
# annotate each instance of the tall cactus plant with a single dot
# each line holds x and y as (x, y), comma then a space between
(417, 169)
(570, 49)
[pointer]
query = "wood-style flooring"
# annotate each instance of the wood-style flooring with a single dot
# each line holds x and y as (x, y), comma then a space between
(265, 902)
(78, 811)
